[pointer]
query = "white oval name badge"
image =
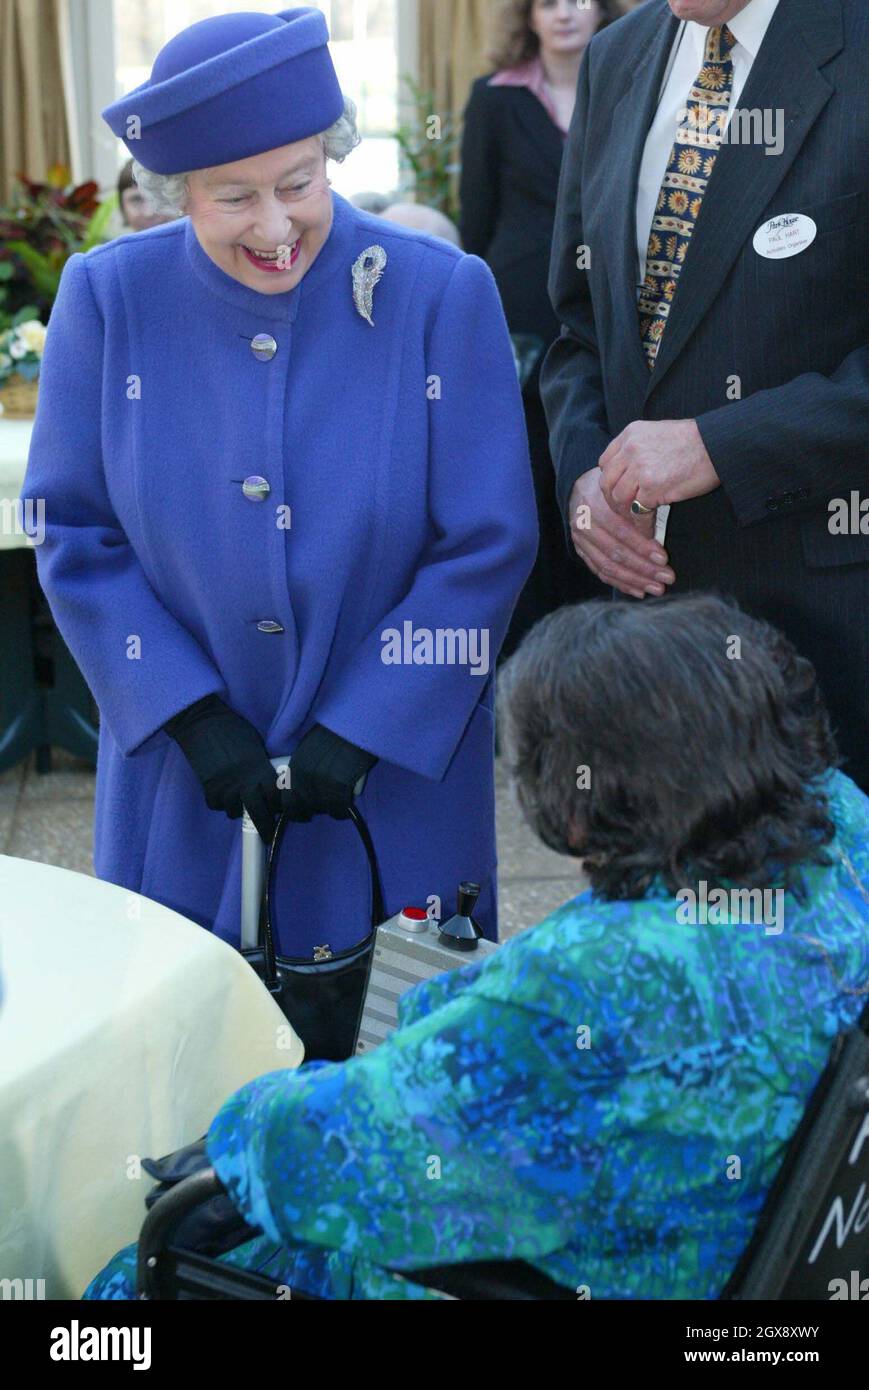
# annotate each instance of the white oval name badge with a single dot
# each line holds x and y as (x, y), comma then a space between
(785, 235)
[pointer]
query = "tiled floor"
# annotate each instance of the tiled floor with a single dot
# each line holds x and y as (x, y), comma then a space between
(49, 818)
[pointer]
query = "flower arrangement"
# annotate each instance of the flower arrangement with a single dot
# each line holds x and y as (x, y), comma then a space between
(21, 348)
(44, 225)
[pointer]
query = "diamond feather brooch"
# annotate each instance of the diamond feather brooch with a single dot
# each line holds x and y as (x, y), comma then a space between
(367, 271)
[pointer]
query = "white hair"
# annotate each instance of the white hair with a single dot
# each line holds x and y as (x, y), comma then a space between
(168, 192)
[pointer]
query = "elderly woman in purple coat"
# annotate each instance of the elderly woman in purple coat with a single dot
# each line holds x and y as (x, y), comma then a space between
(288, 505)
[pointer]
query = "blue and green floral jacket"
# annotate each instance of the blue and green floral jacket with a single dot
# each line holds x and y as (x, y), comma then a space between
(608, 1097)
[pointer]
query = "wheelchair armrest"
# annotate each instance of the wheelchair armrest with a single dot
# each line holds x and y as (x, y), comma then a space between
(162, 1270)
(163, 1221)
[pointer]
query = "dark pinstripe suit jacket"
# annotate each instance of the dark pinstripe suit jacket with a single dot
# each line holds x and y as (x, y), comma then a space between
(795, 331)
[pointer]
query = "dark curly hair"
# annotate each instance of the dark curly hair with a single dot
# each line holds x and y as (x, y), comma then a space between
(703, 732)
(515, 41)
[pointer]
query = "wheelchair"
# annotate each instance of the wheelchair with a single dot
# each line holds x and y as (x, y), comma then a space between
(812, 1235)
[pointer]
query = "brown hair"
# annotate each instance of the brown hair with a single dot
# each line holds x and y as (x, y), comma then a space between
(515, 41)
(698, 765)
(125, 178)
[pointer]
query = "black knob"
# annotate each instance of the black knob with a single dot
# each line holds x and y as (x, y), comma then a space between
(467, 898)
(461, 932)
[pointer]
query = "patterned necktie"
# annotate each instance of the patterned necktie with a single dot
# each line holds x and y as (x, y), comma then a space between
(691, 162)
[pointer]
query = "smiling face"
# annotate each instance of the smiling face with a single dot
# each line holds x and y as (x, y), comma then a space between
(264, 220)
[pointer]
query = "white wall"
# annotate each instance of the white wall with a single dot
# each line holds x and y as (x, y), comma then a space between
(89, 75)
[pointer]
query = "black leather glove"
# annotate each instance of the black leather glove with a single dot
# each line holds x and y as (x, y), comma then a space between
(214, 1227)
(231, 761)
(324, 771)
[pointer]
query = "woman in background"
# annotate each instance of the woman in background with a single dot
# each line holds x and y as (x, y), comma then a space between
(138, 213)
(516, 123)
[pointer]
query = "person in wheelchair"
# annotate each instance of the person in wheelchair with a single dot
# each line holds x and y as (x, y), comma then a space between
(608, 1096)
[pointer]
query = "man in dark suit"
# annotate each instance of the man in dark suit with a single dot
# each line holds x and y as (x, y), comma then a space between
(710, 271)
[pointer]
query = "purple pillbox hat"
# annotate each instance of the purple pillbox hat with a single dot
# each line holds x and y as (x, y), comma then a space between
(230, 87)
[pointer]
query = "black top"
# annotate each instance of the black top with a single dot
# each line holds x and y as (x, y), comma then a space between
(511, 161)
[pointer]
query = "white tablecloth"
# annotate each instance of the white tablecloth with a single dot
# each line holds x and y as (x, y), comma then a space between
(14, 448)
(123, 1028)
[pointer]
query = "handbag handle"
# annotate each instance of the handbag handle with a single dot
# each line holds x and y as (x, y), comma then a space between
(377, 910)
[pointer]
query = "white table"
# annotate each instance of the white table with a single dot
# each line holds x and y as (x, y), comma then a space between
(123, 1028)
(14, 448)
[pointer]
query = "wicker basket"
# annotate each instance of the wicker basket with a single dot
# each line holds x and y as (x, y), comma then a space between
(18, 398)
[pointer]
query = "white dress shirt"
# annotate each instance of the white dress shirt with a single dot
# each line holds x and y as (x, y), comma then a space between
(686, 59)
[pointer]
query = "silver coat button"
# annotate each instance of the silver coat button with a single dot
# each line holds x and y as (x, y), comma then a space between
(263, 347)
(255, 488)
(269, 625)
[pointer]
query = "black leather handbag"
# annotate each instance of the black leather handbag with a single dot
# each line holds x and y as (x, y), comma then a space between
(321, 996)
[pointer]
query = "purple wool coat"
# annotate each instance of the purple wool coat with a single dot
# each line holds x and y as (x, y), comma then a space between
(400, 494)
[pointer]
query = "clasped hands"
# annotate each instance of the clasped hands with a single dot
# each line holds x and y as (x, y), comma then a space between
(235, 771)
(653, 462)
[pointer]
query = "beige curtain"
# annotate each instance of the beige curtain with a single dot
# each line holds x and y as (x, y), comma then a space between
(33, 125)
(453, 37)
